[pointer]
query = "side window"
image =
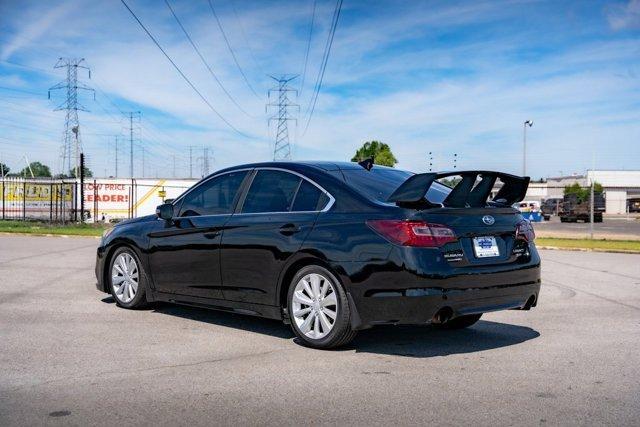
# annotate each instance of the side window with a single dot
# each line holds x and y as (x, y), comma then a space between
(215, 196)
(271, 191)
(309, 198)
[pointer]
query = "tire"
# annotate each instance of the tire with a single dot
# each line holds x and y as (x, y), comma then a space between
(461, 322)
(128, 289)
(318, 293)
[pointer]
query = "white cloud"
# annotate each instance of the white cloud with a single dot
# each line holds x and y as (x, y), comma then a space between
(393, 75)
(625, 16)
(35, 29)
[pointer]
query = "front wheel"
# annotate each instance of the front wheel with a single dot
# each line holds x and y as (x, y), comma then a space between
(461, 322)
(127, 279)
(319, 309)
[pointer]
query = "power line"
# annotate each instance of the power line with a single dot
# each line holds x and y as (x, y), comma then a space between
(206, 64)
(306, 55)
(244, 36)
(226, 40)
(186, 79)
(323, 65)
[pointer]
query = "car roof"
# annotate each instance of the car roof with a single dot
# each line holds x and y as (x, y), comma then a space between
(297, 165)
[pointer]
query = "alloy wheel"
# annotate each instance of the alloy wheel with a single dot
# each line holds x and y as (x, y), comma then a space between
(314, 306)
(125, 277)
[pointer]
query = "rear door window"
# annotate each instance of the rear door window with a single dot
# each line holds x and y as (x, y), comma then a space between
(271, 191)
(309, 198)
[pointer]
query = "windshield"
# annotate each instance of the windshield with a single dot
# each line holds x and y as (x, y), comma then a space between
(379, 183)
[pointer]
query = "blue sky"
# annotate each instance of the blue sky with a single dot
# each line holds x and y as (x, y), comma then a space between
(446, 77)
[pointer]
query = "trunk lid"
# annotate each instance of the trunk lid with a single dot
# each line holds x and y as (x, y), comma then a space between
(486, 229)
(485, 235)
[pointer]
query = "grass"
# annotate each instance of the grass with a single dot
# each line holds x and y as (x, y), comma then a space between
(34, 227)
(596, 244)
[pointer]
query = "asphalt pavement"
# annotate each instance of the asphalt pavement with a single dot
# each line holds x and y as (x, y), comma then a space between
(618, 227)
(68, 355)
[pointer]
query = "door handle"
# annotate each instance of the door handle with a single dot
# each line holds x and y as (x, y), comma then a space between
(212, 234)
(289, 229)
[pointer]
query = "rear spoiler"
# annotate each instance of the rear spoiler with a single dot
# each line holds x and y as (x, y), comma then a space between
(469, 192)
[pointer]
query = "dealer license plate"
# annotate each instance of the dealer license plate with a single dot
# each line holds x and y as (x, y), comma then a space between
(485, 247)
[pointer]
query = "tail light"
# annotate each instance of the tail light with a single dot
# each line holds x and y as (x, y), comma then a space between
(413, 233)
(524, 231)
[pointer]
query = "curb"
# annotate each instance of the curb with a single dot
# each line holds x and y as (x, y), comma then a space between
(613, 251)
(66, 236)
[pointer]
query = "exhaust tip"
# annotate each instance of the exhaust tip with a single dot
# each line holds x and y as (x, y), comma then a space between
(442, 316)
(531, 302)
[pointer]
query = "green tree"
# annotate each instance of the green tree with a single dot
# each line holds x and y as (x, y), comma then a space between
(4, 169)
(39, 170)
(380, 152)
(582, 193)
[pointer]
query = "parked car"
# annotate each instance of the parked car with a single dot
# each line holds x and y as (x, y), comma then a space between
(331, 248)
(551, 207)
(574, 209)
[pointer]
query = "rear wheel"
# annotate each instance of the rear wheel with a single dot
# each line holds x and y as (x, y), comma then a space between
(319, 309)
(127, 279)
(461, 322)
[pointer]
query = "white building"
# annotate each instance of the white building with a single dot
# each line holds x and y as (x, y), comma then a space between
(619, 186)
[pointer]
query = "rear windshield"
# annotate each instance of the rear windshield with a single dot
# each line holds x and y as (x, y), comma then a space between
(379, 183)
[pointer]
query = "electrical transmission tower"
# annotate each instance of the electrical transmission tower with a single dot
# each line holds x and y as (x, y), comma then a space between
(72, 141)
(205, 159)
(282, 149)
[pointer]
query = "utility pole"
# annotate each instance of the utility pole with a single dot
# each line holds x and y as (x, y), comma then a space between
(71, 106)
(191, 161)
(205, 162)
(524, 147)
(116, 175)
(282, 149)
(132, 115)
(82, 170)
(26, 161)
(591, 194)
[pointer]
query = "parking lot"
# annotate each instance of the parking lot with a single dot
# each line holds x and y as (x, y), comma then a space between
(618, 227)
(70, 356)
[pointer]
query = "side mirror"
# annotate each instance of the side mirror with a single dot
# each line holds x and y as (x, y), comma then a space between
(165, 211)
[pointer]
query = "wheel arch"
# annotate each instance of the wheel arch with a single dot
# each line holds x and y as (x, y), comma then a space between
(110, 251)
(302, 261)
(292, 268)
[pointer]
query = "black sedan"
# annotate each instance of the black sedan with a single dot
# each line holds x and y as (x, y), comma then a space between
(331, 248)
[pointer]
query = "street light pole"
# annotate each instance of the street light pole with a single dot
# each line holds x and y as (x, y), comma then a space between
(524, 146)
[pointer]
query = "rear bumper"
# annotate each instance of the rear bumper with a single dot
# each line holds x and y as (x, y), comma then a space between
(420, 305)
(404, 293)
